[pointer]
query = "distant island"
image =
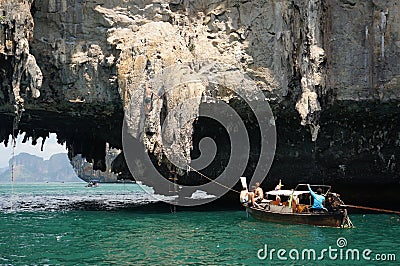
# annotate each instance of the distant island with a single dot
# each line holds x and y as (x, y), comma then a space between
(31, 168)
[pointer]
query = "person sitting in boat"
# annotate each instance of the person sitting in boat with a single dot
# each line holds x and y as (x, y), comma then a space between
(278, 187)
(294, 202)
(318, 199)
(329, 203)
(257, 195)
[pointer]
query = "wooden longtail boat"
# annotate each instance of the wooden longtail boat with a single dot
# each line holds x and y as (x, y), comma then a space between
(294, 206)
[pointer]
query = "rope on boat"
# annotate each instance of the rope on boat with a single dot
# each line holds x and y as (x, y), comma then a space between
(212, 180)
(371, 209)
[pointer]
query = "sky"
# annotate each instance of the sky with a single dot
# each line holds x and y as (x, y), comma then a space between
(50, 147)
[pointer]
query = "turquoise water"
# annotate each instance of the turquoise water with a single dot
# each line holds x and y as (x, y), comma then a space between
(68, 232)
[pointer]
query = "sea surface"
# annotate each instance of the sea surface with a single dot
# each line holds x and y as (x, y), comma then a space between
(70, 224)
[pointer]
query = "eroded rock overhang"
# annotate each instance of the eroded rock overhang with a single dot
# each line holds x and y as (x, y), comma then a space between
(309, 57)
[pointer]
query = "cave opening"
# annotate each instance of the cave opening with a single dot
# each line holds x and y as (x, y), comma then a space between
(206, 127)
(218, 145)
(82, 134)
(35, 159)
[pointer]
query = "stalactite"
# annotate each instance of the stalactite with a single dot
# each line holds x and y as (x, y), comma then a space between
(17, 23)
(312, 70)
(383, 31)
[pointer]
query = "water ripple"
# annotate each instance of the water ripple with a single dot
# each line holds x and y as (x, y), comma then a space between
(67, 197)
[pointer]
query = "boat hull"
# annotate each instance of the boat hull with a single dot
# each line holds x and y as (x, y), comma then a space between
(318, 219)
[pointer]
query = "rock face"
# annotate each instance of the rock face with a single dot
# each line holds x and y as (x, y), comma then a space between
(329, 69)
(84, 169)
(20, 73)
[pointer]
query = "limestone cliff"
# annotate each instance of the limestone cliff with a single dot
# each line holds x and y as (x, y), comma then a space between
(20, 74)
(331, 65)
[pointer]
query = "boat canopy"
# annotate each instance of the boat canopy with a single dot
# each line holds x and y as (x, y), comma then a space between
(286, 192)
